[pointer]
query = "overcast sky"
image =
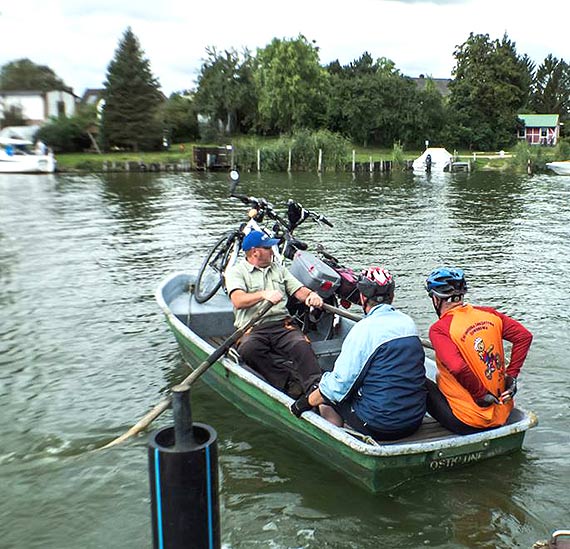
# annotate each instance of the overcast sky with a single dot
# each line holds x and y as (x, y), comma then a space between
(78, 38)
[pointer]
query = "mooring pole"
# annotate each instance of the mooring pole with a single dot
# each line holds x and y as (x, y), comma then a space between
(183, 473)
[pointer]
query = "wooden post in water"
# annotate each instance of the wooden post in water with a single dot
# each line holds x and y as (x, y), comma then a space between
(353, 160)
(289, 162)
(258, 160)
(320, 164)
(371, 165)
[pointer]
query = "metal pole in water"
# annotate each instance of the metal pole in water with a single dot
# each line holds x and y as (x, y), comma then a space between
(183, 473)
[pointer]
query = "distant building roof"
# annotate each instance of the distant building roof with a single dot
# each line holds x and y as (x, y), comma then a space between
(441, 84)
(92, 95)
(539, 120)
(34, 92)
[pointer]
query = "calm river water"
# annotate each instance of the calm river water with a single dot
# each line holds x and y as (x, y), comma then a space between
(84, 352)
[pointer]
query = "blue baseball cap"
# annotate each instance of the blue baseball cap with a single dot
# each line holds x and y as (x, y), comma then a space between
(257, 239)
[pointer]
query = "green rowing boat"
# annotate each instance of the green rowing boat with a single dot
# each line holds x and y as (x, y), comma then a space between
(199, 328)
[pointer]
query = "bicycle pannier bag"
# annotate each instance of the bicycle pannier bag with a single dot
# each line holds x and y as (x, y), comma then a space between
(315, 274)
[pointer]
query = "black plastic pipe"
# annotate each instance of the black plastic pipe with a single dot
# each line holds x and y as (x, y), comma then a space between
(183, 473)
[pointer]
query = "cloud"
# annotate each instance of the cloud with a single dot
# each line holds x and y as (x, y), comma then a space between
(78, 38)
(440, 2)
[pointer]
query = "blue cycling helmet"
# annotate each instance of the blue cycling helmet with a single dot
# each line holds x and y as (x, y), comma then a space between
(446, 283)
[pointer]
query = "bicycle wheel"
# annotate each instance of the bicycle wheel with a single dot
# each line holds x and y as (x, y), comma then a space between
(210, 275)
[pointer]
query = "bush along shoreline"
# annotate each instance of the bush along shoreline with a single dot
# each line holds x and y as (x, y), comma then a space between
(321, 151)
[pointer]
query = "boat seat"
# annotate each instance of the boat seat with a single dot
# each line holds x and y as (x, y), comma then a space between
(326, 351)
(327, 347)
(213, 318)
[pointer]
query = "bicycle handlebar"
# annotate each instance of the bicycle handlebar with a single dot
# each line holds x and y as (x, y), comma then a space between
(263, 205)
(324, 220)
(317, 217)
(267, 207)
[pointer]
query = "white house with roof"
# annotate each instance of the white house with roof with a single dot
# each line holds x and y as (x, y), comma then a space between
(540, 129)
(38, 107)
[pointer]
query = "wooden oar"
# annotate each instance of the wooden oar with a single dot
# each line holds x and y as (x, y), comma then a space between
(351, 316)
(165, 403)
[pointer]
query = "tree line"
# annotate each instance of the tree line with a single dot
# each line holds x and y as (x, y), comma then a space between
(283, 88)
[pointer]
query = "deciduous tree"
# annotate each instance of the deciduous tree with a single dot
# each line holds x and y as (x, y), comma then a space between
(25, 75)
(291, 85)
(226, 90)
(179, 116)
(372, 103)
(490, 86)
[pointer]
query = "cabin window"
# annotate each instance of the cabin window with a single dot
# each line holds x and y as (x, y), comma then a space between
(60, 109)
(522, 132)
(542, 132)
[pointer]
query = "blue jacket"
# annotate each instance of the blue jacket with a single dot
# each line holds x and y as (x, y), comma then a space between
(381, 370)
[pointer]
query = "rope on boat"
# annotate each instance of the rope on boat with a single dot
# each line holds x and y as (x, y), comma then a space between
(191, 287)
(365, 438)
(232, 353)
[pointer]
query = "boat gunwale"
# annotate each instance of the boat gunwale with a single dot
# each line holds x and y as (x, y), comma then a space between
(379, 449)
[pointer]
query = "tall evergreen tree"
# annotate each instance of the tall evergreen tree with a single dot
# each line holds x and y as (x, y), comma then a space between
(132, 97)
(551, 88)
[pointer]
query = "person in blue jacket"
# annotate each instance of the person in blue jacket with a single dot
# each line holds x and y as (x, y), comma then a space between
(378, 383)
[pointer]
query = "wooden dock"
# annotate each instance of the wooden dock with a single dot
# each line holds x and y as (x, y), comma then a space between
(460, 166)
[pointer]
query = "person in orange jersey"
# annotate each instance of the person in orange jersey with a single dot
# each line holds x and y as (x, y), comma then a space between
(475, 388)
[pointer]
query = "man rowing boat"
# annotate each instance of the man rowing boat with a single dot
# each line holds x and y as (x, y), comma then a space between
(251, 281)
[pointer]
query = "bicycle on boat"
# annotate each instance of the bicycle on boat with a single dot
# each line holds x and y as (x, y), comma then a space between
(225, 251)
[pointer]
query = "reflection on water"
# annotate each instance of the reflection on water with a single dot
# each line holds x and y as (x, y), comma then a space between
(84, 352)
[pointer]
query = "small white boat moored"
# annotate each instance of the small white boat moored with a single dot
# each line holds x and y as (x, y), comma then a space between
(20, 156)
(561, 168)
(433, 159)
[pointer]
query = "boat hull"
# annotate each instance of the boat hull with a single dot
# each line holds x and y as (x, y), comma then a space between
(378, 467)
(28, 164)
(560, 168)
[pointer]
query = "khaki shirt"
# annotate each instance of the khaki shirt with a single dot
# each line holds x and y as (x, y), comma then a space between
(245, 276)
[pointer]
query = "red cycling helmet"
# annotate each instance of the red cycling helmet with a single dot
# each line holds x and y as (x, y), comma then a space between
(376, 283)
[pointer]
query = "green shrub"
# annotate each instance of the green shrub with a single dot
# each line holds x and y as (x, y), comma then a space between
(526, 155)
(398, 154)
(245, 154)
(562, 150)
(304, 146)
(64, 135)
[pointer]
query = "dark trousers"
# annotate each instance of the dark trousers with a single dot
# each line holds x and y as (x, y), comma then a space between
(350, 417)
(282, 354)
(439, 409)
